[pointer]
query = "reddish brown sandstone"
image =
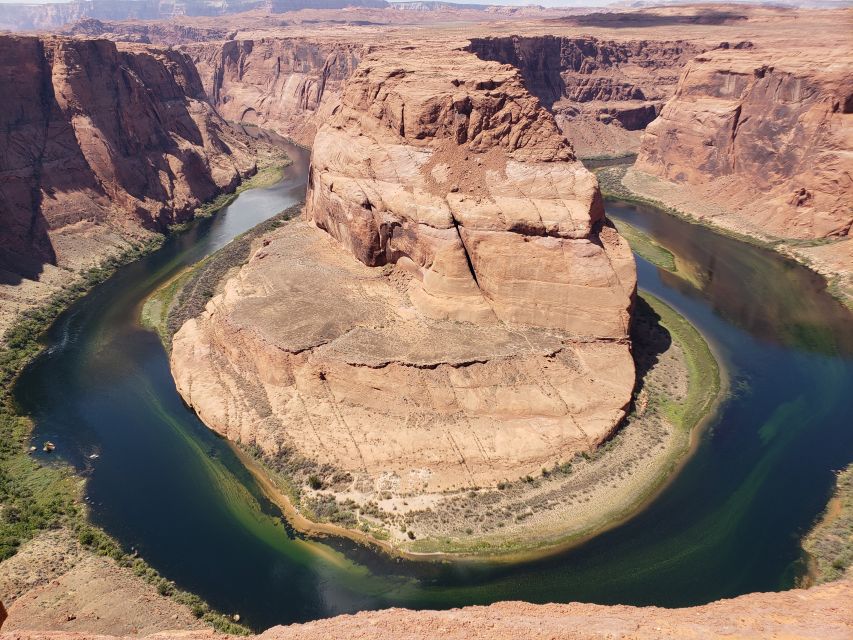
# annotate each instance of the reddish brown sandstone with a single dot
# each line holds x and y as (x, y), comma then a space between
(821, 613)
(101, 145)
(455, 314)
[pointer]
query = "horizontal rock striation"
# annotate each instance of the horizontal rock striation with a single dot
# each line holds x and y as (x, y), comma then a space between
(467, 182)
(452, 312)
(285, 84)
(98, 141)
(764, 135)
(602, 92)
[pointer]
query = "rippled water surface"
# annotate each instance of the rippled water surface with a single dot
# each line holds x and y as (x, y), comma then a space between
(730, 522)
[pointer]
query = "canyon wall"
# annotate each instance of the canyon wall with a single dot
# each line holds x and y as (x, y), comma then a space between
(602, 92)
(766, 135)
(101, 144)
(288, 85)
(453, 311)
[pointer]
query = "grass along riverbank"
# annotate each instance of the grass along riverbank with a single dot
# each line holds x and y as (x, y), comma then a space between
(37, 497)
(830, 543)
(612, 179)
(185, 296)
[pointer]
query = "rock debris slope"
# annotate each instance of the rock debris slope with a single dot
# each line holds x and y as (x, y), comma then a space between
(454, 310)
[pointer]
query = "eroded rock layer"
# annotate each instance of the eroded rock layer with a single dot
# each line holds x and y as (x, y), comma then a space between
(603, 93)
(98, 142)
(766, 136)
(285, 84)
(453, 312)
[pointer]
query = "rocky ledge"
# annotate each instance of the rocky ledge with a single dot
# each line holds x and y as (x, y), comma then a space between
(820, 613)
(452, 313)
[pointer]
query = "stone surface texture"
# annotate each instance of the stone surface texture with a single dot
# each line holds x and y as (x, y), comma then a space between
(820, 613)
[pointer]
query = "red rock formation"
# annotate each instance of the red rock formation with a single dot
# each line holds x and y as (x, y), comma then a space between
(448, 164)
(592, 84)
(99, 137)
(766, 136)
(457, 309)
(285, 84)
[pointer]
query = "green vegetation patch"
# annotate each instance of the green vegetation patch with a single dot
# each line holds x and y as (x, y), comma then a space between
(703, 380)
(646, 247)
(830, 543)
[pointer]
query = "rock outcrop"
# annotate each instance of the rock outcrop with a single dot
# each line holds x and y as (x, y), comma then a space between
(468, 183)
(765, 135)
(454, 311)
(820, 613)
(101, 144)
(603, 93)
(288, 85)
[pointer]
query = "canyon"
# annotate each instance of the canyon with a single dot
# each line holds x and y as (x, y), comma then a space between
(452, 315)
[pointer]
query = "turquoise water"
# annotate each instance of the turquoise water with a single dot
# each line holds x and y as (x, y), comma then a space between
(730, 523)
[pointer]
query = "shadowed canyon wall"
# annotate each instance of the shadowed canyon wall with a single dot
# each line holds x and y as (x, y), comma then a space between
(101, 145)
(96, 135)
(602, 93)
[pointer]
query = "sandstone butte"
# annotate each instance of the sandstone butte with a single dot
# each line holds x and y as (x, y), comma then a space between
(819, 613)
(102, 145)
(453, 310)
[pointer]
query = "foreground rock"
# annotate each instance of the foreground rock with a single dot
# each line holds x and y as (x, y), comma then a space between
(456, 313)
(821, 613)
(54, 583)
(101, 146)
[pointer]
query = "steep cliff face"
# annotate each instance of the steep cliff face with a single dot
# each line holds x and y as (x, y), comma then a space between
(764, 135)
(602, 92)
(455, 176)
(97, 144)
(284, 84)
(456, 305)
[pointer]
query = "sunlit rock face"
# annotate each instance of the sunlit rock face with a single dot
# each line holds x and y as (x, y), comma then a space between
(452, 310)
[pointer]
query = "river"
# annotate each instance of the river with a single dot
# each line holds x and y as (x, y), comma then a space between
(730, 523)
